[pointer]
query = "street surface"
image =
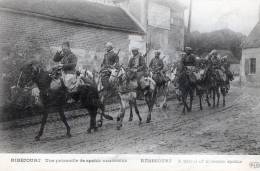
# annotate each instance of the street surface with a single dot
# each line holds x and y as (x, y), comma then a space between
(234, 129)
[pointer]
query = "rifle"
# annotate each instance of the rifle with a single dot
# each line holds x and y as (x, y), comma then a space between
(118, 51)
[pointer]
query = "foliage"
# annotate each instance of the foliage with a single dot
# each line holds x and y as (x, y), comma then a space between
(221, 40)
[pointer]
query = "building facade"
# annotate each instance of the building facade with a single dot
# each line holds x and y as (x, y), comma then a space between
(43, 28)
(250, 62)
(36, 29)
(163, 22)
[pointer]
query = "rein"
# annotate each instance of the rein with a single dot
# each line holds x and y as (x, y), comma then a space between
(18, 81)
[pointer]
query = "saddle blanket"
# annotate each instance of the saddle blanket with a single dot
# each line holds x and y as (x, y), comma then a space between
(198, 74)
(71, 82)
(222, 75)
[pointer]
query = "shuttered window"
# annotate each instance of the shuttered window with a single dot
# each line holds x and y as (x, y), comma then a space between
(252, 65)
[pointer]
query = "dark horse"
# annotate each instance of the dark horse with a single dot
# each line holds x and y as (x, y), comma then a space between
(216, 85)
(187, 88)
(205, 85)
(88, 95)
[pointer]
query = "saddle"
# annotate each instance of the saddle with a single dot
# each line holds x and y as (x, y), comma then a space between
(70, 81)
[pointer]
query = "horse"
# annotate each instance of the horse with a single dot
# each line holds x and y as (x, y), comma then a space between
(186, 87)
(163, 87)
(215, 86)
(202, 87)
(87, 95)
(171, 74)
(94, 78)
(129, 94)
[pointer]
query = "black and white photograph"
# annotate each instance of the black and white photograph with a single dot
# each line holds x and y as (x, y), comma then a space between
(152, 77)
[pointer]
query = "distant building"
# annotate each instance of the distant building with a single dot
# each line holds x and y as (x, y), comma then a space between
(163, 21)
(250, 63)
(37, 28)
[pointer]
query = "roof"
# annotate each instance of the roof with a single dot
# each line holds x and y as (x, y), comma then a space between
(253, 39)
(76, 11)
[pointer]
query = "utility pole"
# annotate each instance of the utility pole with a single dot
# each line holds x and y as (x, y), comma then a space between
(189, 25)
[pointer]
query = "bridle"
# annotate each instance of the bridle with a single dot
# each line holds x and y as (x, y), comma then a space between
(33, 75)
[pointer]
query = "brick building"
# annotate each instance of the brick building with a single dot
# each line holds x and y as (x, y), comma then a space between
(37, 28)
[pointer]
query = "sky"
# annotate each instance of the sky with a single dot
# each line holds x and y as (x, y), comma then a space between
(237, 15)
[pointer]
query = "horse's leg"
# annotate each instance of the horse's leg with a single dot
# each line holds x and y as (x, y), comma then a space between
(214, 96)
(64, 120)
(94, 120)
(150, 99)
(102, 100)
(165, 92)
(122, 114)
(207, 98)
(200, 97)
(157, 96)
(218, 96)
(184, 98)
(137, 112)
(191, 100)
(92, 125)
(91, 122)
(43, 122)
(131, 111)
(224, 96)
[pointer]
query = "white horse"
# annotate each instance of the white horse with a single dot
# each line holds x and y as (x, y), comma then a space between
(127, 93)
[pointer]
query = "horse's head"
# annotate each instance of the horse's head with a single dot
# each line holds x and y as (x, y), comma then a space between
(29, 73)
(117, 74)
(147, 82)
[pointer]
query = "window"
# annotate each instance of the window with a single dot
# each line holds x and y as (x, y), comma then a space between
(252, 65)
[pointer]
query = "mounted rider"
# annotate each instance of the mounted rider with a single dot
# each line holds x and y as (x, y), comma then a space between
(226, 67)
(156, 66)
(188, 63)
(67, 64)
(215, 63)
(188, 59)
(214, 60)
(111, 60)
(137, 66)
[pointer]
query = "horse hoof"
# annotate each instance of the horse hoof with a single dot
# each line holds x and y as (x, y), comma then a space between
(37, 138)
(95, 129)
(100, 123)
(140, 123)
(118, 127)
(89, 131)
(130, 119)
(148, 120)
(69, 135)
(164, 105)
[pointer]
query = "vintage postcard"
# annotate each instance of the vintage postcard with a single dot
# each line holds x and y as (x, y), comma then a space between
(129, 85)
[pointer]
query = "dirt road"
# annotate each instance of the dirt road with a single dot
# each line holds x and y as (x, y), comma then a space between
(234, 129)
